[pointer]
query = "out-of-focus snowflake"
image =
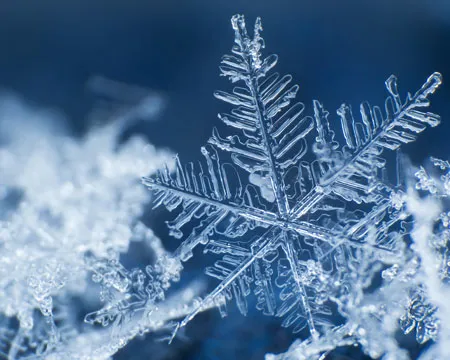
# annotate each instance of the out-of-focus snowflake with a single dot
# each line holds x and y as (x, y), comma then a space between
(63, 198)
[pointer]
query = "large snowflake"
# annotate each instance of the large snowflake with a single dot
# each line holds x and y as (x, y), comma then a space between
(301, 216)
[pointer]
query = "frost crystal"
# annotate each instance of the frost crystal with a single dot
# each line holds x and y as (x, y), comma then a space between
(302, 215)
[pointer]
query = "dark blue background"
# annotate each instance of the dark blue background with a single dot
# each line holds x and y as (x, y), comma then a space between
(336, 50)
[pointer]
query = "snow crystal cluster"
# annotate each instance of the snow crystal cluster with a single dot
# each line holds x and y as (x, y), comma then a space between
(70, 207)
(296, 208)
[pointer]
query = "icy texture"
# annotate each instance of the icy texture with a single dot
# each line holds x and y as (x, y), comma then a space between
(428, 311)
(69, 208)
(303, 217)
(75, 197)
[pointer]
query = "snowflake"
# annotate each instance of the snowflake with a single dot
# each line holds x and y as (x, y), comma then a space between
(305, 228)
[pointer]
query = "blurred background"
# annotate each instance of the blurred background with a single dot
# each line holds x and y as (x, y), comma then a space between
(336, 51)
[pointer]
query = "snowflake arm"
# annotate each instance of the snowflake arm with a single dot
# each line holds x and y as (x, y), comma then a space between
(273, 130)
(365, 141)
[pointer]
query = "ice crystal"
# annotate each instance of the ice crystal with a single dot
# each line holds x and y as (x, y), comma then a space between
(302, 215)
